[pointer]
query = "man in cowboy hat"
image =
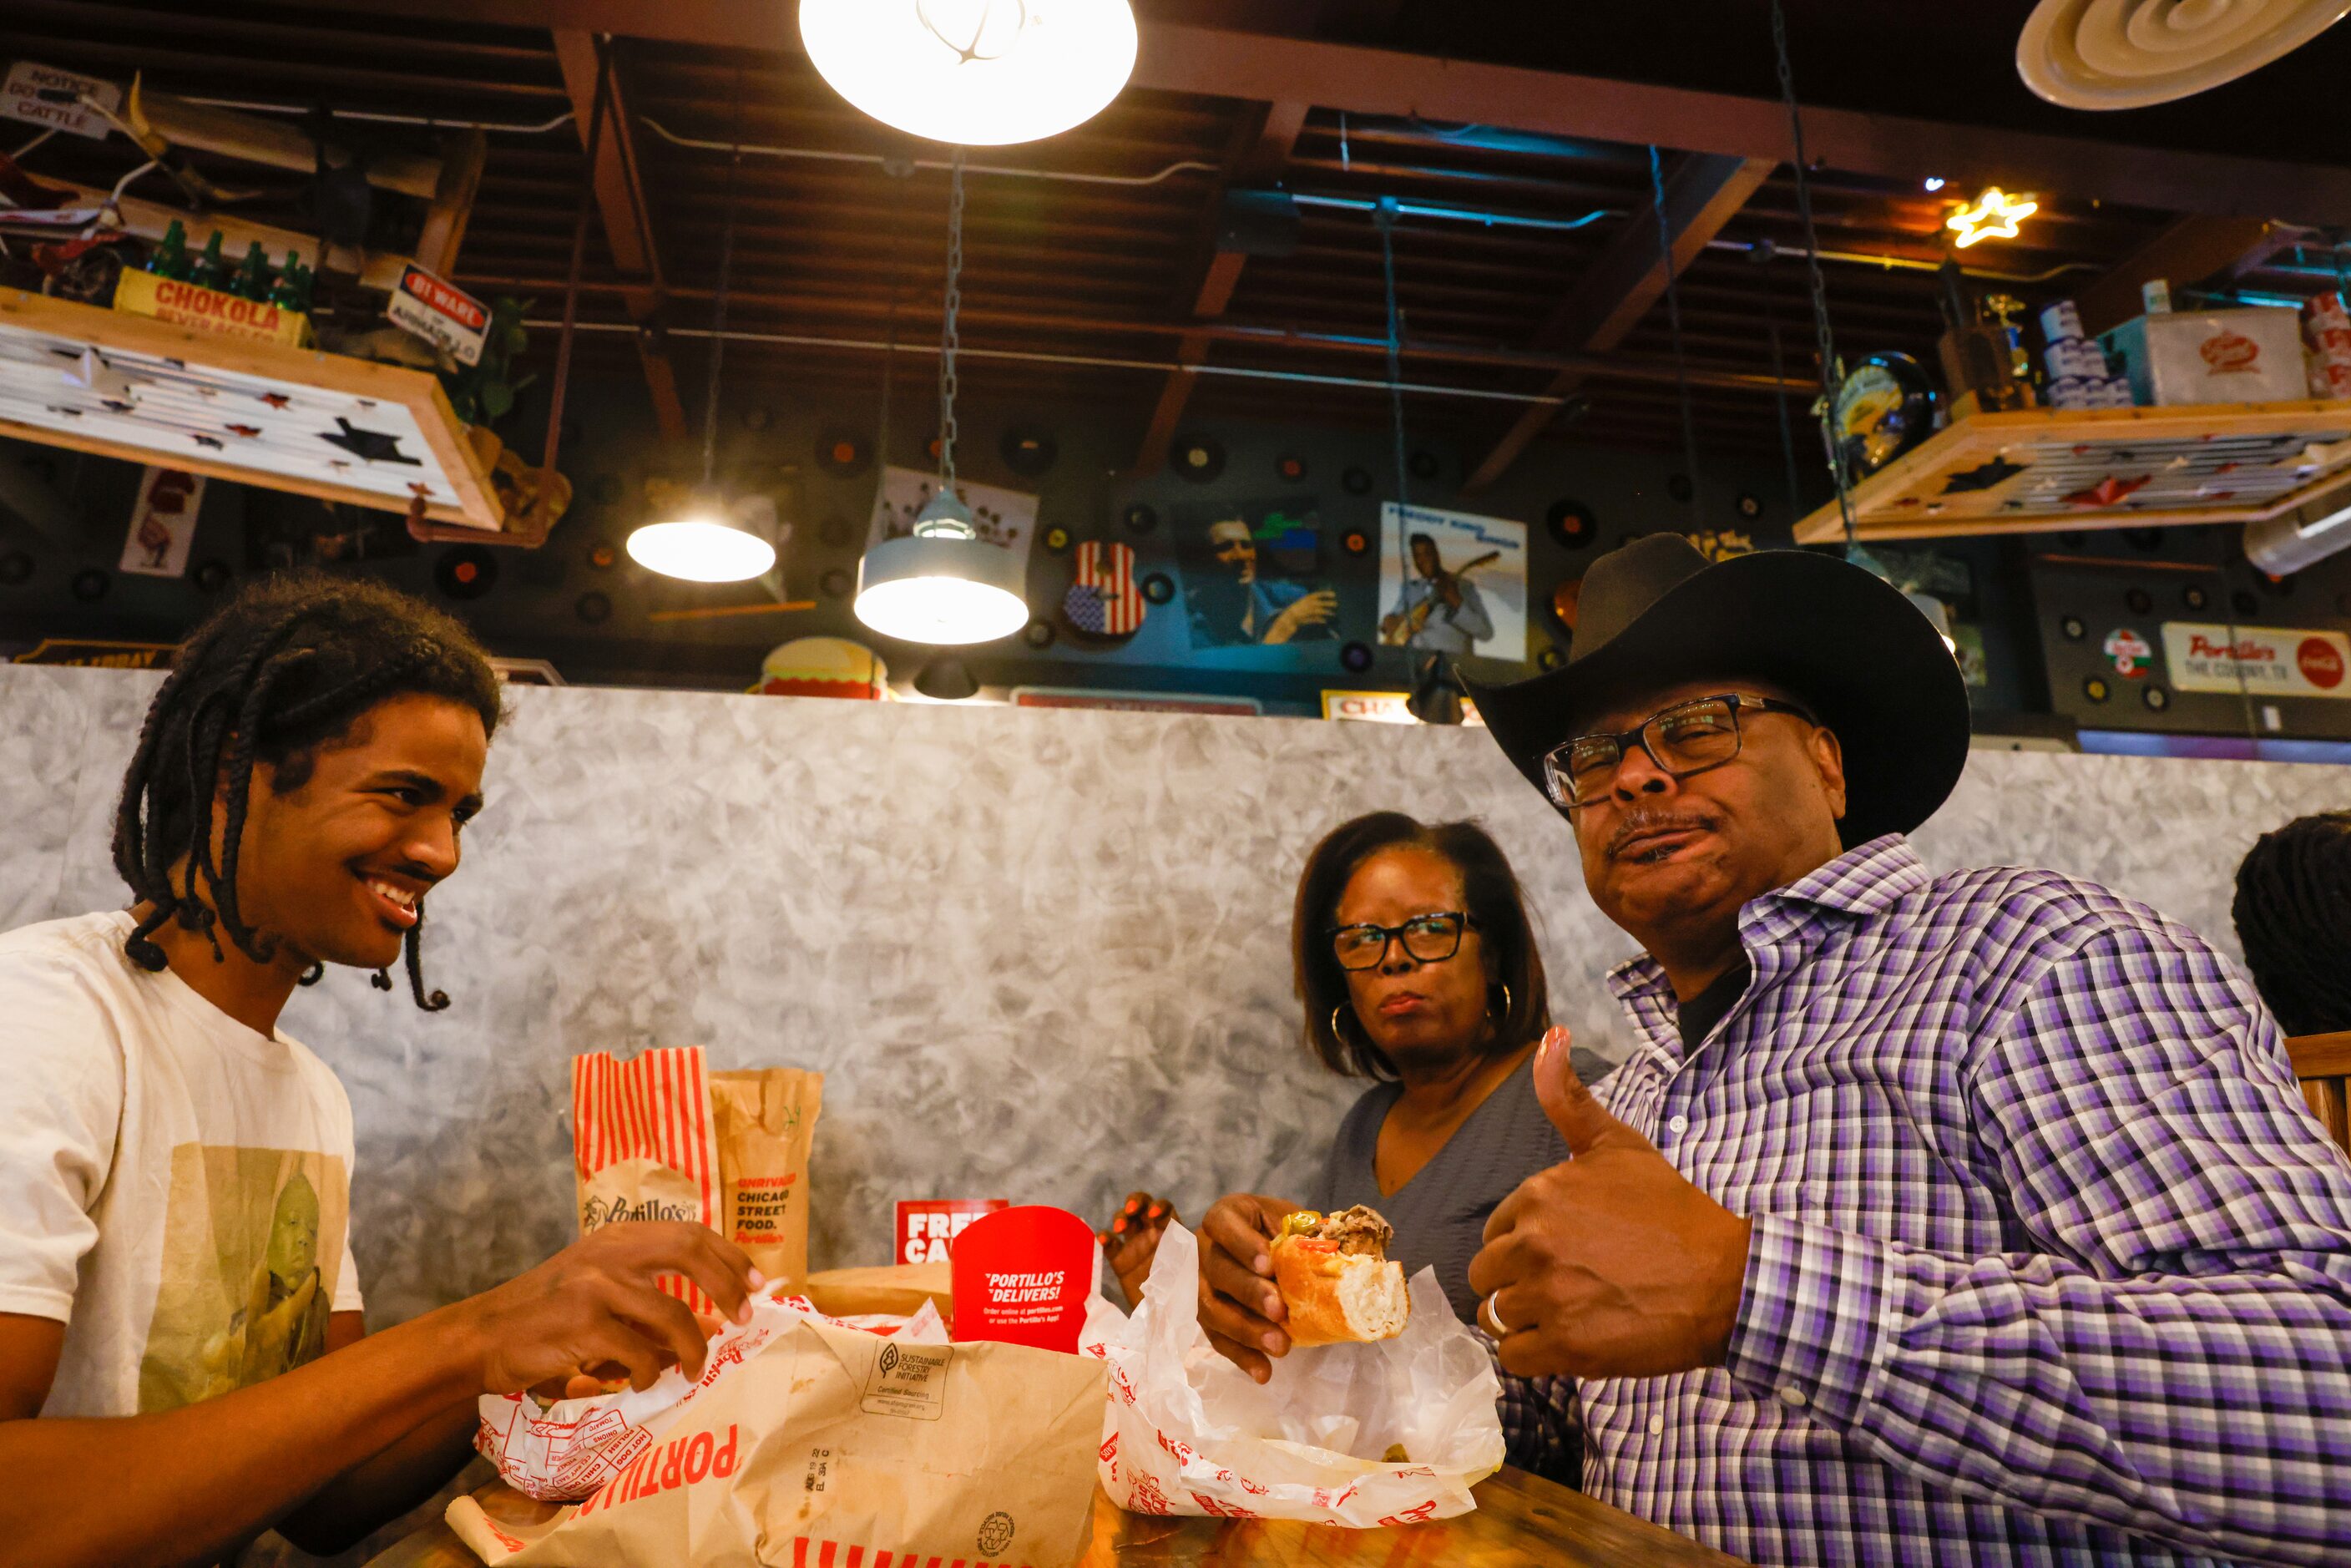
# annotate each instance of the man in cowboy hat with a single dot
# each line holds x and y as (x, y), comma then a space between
(1970, 1216)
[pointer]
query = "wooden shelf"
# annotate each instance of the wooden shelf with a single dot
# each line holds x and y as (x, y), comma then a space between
(320, 424)
(2042, 470)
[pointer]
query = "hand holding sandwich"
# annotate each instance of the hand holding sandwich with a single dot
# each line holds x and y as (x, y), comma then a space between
(1240, 1307)
(1612, 1264)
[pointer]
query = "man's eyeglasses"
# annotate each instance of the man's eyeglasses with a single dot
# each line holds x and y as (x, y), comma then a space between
(1686, 738)
(1431, 939)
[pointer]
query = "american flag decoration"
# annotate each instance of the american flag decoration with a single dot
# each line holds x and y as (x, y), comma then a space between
(1104, 601)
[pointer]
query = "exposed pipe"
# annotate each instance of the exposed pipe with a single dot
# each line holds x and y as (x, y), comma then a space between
(1443, 350)
(1098, 362)
(1463, 215)
(881, 160)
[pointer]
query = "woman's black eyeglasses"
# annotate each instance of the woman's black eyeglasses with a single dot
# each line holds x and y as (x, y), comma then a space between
(1431, 939)
(1686, 738)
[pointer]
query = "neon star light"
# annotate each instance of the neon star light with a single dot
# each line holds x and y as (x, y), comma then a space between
(1994, 215)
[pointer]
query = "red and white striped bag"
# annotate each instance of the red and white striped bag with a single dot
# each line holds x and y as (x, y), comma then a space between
(643, 1145)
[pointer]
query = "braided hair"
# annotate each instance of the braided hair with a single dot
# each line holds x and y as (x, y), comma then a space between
(2293, 912)
(289, 664)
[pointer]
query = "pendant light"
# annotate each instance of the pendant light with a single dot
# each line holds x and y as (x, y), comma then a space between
(974, 72)
(704, 544)
(943, 583)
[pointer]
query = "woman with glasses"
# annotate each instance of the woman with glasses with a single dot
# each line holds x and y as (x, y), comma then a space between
(1414, 958)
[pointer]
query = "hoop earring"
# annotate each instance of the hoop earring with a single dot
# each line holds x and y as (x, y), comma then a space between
(1334, 1025)
(1506, 999)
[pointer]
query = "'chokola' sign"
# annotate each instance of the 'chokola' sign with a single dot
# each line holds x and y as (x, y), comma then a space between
(2273, 661)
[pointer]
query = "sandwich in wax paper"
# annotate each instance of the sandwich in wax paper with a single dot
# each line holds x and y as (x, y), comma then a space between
(1361, 1432)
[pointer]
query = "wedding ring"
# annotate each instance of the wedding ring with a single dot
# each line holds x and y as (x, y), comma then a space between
(1492, 1319)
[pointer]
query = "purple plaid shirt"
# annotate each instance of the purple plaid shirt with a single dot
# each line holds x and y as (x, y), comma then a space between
(2051, 1263)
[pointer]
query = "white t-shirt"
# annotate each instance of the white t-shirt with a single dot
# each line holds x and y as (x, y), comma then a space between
(173, 1188)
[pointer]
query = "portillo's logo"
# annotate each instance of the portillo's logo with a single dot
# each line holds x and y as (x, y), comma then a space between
(2320, 661)
(2228, 354)
(2202, 647)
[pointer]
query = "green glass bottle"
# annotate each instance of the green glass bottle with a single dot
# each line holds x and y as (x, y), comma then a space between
(210, 271)
(253, 277)
(169, 257)
(287, 293)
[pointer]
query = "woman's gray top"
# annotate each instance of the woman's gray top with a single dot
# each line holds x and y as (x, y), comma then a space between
(1440, 1214)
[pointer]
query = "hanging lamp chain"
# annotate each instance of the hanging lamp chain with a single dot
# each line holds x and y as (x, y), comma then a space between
(947, 341)
(718, 302)
(1674, 320)
(1825, 344)
(1384, 217)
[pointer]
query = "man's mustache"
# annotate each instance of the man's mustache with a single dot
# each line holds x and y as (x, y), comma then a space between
(1655, 822)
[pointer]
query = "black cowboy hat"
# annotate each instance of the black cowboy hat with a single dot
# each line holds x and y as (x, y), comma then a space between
(1849, 645)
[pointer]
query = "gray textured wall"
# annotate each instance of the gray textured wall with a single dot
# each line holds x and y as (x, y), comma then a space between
(1039, 956)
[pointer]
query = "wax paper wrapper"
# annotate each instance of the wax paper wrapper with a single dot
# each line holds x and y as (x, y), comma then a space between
(1188, 1432)
(834, 1445)
(563, 1451)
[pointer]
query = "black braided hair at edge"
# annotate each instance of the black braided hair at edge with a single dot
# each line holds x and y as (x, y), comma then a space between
(288, 664)
(2293, 912)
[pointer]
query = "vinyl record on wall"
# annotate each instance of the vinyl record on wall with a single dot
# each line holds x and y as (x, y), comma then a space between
(843, 453)
(595, 609)
(1356, 481)
(1290, 467)
(1039, 634)
(16, 566)
(91, 584)
(1356, 657)
(2074, 628)
(213, 576)
(1570, 523)
(1139, 517)
(835, 584)
(1551, 658)
(2156, 698)
(1565, 600)
(1751, 506)
(1199, 458)
(2194, 596)
(1055, 538)
(2140, 601)
(1354, 541)
(1158, 588)
(602, 555)
(1027, 449)
(1424, 464)
(468, 571)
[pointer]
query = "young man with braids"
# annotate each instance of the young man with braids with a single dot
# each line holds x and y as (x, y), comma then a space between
(181, 1359)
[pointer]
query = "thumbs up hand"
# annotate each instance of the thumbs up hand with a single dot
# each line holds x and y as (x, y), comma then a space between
(1612, 1265)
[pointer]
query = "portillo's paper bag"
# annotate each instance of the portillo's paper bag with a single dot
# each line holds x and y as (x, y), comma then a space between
(766, 1121)
(836, 1445)
(642, 1145)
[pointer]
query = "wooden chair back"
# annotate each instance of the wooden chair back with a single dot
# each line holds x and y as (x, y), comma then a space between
(2323, 1062)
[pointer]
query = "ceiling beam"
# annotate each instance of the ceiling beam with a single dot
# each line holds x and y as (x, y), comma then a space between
(1225, 61)
(2190, 249)
(1262, 145)
(1704, 192)
(627, 217)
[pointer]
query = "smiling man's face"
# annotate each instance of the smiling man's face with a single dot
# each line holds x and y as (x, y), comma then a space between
(1666, 857)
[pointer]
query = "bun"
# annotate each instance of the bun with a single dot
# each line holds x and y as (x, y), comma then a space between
(1335, 1281)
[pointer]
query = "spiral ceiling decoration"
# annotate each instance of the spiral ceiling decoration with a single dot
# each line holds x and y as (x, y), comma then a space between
(2128, 54)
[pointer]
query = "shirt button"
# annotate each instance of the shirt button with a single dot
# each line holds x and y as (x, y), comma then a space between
(1657, 1425)
(1679, 1123)
(1792, 1396)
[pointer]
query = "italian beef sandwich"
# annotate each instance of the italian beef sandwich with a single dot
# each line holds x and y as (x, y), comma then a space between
(1335, 1279)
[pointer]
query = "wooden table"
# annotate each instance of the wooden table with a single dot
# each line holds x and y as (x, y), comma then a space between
(1521, 1522)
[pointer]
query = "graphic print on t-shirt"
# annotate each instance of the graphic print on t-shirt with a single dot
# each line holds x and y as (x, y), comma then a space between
(253, 1240)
